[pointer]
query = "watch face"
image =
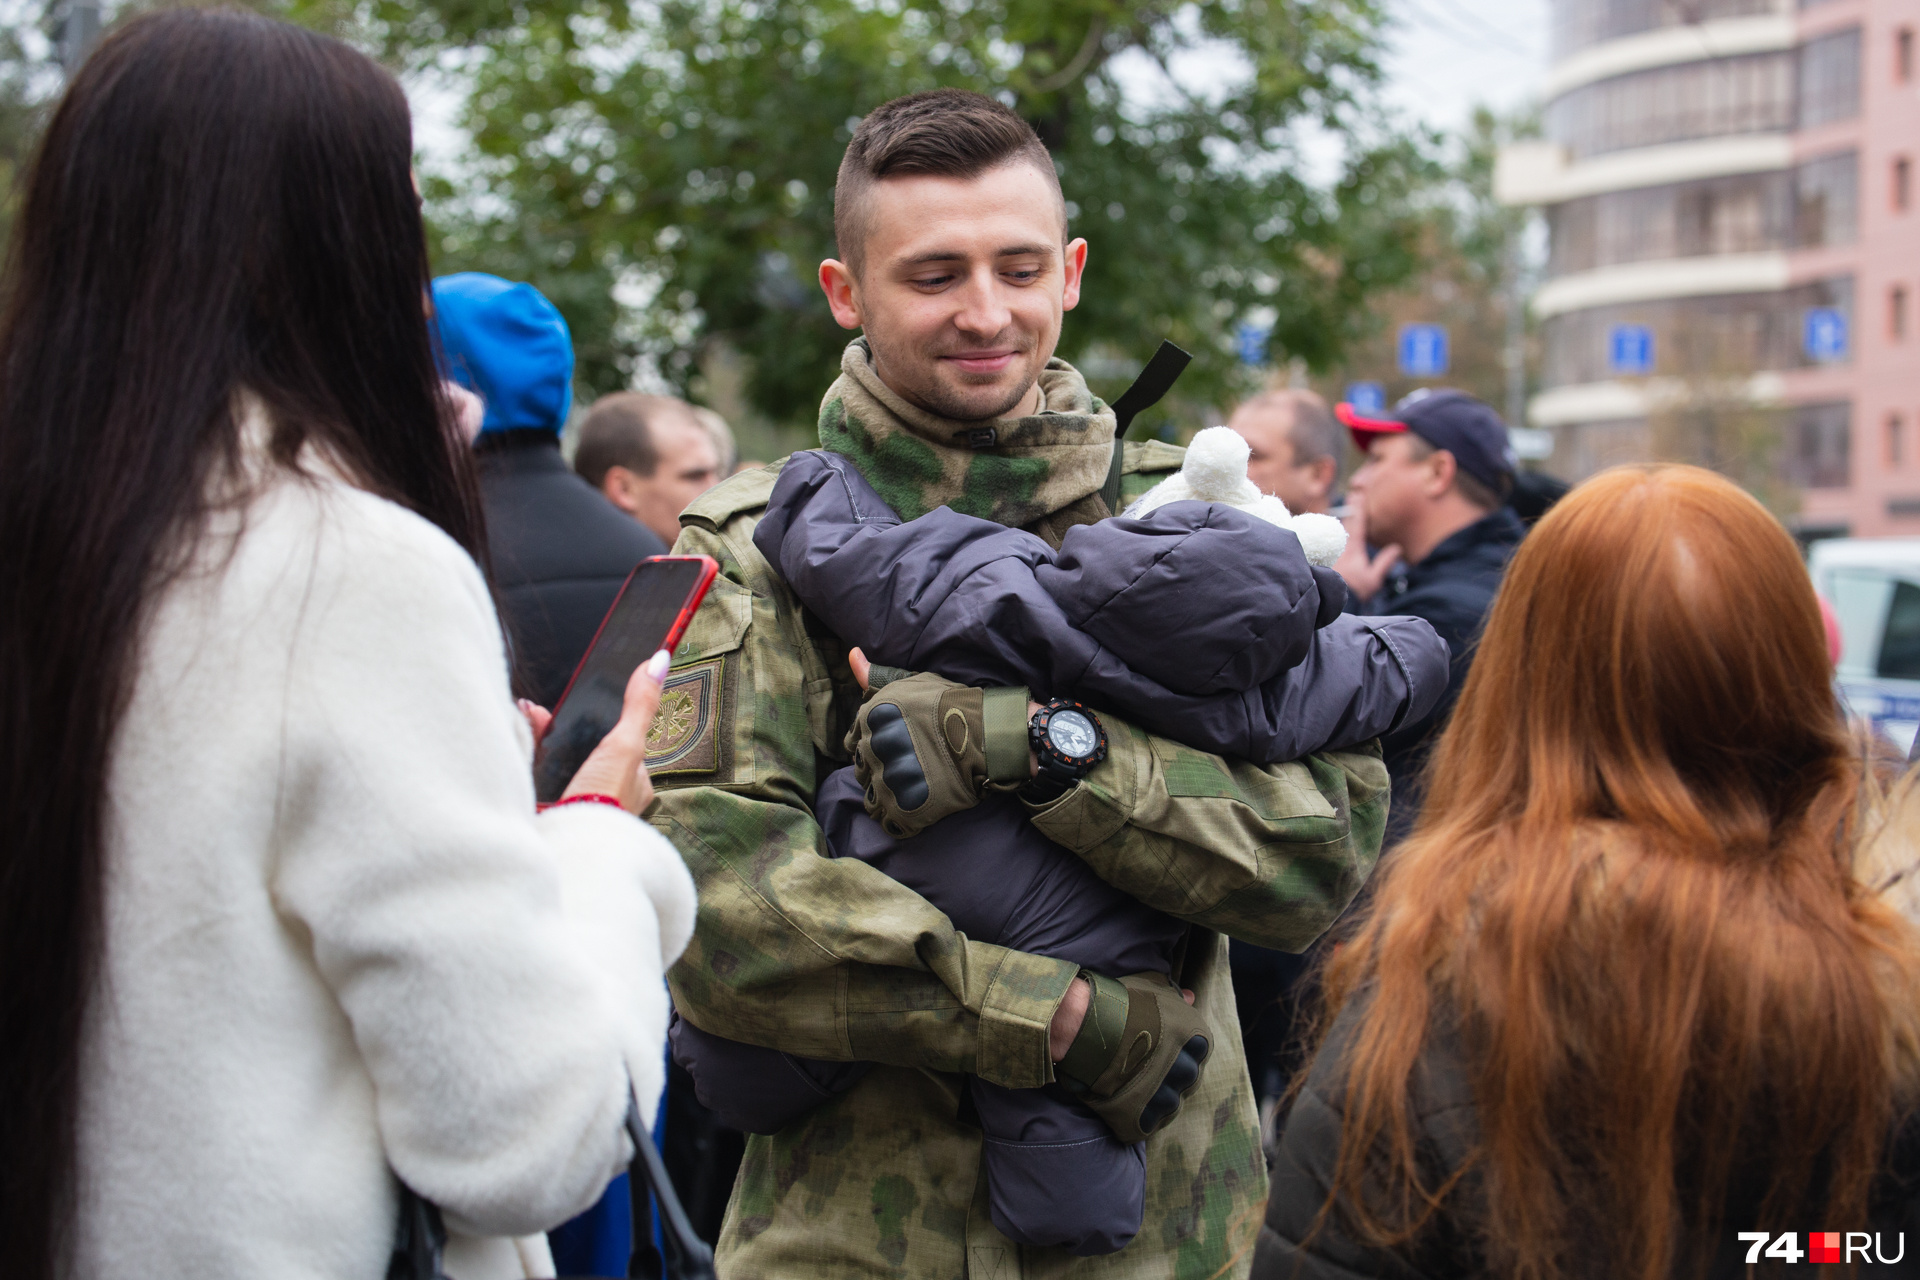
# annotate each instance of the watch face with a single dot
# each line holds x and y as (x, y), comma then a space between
(1072, 734)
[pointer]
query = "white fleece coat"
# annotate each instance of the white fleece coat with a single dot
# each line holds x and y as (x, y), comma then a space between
(340, 945)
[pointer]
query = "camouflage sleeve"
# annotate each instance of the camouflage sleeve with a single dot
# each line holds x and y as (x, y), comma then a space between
(1268, 854)
(792, 949)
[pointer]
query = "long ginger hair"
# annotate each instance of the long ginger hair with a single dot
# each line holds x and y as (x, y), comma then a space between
(1631, 900)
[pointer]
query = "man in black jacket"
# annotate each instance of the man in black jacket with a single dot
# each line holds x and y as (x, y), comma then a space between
(1432, 497)
(560, 551)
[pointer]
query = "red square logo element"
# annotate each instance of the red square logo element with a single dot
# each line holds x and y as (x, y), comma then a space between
(1823, 1246)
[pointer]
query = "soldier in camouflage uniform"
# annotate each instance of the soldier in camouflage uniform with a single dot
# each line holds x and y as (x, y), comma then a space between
(951, 398)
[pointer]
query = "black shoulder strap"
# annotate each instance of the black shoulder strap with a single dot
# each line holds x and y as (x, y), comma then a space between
(688, 1257)
(1168, 363)
(1110, 494)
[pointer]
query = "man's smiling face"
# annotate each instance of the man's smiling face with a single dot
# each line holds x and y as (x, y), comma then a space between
(961, 288)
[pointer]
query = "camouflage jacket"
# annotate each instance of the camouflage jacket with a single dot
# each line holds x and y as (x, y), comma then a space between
(829, 958)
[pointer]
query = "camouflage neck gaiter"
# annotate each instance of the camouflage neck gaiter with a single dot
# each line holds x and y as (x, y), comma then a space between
(1014, 471)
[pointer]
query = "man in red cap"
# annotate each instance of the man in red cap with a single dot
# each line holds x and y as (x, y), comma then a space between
(1431, 536)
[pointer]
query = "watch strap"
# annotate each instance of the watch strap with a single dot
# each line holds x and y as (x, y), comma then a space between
(1044, 788)
(1003, 713)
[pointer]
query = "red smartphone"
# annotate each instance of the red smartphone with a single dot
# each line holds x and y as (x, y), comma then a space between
(651, 613)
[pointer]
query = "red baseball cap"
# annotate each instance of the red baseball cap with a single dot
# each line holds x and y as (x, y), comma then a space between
(1363, 428)
(1467, 428)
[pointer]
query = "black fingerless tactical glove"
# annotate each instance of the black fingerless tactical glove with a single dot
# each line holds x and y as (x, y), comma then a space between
(924, 747)
(1138, 1055)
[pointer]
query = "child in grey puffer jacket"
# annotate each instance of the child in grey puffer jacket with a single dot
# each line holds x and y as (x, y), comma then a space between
(1202, 621)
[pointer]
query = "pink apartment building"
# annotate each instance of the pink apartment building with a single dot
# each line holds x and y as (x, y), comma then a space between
(1734, 218)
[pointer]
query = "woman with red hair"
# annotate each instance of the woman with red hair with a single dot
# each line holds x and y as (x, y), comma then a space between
(1623, 994)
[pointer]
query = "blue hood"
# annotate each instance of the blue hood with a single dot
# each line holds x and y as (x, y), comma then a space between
(508, 345)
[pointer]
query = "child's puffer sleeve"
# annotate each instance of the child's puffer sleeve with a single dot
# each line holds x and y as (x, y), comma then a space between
(1361, 678)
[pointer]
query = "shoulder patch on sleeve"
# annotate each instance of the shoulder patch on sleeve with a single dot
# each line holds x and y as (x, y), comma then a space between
(1151, 457)
(687, 734)
(747, 491)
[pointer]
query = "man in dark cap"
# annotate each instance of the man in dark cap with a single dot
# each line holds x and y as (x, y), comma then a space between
(1431, 536)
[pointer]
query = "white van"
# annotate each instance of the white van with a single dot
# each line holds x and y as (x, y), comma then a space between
(1873, 585)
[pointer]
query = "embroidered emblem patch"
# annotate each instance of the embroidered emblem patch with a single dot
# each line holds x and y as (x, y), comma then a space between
(685, 734)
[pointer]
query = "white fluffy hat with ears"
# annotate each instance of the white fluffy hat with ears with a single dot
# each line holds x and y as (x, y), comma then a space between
(1216, 471)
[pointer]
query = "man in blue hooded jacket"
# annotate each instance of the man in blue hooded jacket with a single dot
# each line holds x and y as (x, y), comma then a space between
(560, 551)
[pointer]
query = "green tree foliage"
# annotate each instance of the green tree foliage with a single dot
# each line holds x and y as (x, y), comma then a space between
(1474, 277)
(665, 172)
(29, 81)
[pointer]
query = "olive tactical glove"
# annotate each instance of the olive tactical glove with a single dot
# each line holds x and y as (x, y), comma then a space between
(924, 747)
(1139, 1053)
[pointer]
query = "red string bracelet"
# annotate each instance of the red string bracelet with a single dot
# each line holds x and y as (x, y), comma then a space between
(585, 797)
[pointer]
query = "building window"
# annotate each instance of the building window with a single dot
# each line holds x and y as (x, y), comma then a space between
(1896, 444)
(1747, 213)
(1575, 26)
(1897, 312)
(1700, 337)
(1817, 454)
(1830, 78)
(1825, 204)
(1750, 93)
(1903, 55)
(1902, 183)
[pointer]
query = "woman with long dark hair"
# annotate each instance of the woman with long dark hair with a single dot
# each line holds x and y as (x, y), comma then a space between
(1623, 995)
(278, 923)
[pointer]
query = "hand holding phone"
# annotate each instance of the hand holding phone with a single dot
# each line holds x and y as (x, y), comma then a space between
(657, 601)
(617, 767)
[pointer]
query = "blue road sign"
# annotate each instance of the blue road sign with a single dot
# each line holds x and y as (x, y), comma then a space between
(1367, 397)
(1251, 340)
(1630, 349)
(1825, 335)
(1423, 350)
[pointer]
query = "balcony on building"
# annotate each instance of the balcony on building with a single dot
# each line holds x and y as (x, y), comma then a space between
(1734, 178)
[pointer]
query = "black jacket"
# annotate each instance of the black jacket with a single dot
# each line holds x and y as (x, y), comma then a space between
(1452, 589)
(560, 552)
(1446, 1131)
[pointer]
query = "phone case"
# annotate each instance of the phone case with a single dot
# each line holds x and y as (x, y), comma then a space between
(710, 569)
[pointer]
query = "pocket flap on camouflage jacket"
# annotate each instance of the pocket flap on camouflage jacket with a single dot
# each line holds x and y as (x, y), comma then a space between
(721, 624)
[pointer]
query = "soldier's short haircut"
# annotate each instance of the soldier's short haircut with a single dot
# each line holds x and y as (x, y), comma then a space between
(1312, 429)
(943, 133)
(618, 432)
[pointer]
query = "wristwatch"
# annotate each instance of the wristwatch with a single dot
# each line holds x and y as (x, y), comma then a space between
(1067, 741)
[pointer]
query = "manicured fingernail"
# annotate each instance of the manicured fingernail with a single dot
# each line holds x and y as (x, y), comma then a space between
(657, 666)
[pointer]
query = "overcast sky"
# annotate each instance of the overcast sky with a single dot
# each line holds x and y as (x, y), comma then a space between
(1448, 55)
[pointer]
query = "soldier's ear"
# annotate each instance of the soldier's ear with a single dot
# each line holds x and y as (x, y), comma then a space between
(837, 281)
(1073, 263)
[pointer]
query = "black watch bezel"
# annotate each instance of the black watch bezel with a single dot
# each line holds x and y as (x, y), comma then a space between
(1054, 763)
